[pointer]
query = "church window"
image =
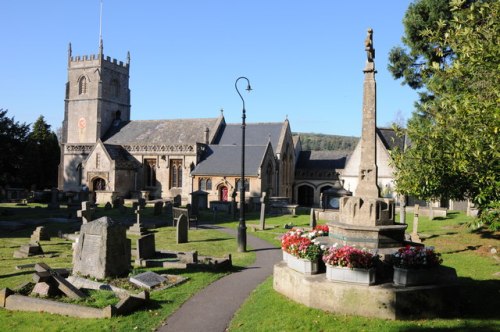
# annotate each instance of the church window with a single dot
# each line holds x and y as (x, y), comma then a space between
(115, 87)
(79, 170)
(238, 185)
(202, 184)
(150, 172)
(175, 173)
(82, 85)
(209, 184)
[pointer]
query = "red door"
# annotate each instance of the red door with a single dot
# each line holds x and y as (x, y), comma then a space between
(223, 194)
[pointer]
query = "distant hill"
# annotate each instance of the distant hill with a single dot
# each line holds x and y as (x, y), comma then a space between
(312, 141)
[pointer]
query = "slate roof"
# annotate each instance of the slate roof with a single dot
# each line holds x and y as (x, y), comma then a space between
(255, 134)
(321, 160)
(226, 160)
(390, 139)
(123, 159)
(178, 131)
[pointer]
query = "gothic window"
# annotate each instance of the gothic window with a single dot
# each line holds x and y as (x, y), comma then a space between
(115, 88)
(202, 184)
(238, 185)
(209, 184)
(79, 170)
(82, 85)
(175, 173)
(269, 174)
(150, 172)
(205, 184)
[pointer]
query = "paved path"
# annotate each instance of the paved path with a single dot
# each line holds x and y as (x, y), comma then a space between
(211, 309)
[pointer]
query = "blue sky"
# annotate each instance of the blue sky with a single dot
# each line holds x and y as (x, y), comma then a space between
(304, 59)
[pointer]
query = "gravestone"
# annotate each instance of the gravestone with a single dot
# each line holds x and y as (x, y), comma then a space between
(108, 206)
(146, 247)
(103, 249)
(312, 219)
(40, 234)
(56, 278)
(148, 279)
(169, 213)
(414, 233)
(402, 209)
(137, 229)
(263, 211)
(182, 229)
(158, 208)
(54, 201)
(118, 203)
(86, 212)
(142, 203)
(28, 250)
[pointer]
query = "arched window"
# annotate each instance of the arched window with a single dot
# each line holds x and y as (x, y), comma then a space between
(175, 173)
(150, 172)
(209, 184)
(238, 185)
(202, 184)
(115, 87)
(82, 85)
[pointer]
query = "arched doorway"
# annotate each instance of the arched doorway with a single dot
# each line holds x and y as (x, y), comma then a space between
(306, 195)
(98, 184)
(223, 194)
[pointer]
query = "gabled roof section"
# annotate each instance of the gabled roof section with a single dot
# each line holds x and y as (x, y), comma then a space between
(123, 159)
(321, 160)
(390, 139)
(226, 160)
(255, 134)
(177, 131)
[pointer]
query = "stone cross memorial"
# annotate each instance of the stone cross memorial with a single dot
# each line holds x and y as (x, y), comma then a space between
(86, 212)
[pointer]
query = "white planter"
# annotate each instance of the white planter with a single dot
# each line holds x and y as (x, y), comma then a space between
(301, 265)
(414, 277)
(345, 274)
(285, 256)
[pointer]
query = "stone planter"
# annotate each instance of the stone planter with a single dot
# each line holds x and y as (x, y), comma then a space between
(300, 265)
(414, 277)
(358, 276)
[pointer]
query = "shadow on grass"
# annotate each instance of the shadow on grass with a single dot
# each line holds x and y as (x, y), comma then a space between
(212, 240)
(479, 298)
(468, 248)
(21, 273)
(433, 236)
(486, 233)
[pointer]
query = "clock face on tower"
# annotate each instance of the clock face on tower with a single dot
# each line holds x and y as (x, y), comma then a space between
(82, 123)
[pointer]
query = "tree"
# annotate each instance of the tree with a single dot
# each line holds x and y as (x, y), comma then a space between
(454, 131)
(12, 141)
(42, 156)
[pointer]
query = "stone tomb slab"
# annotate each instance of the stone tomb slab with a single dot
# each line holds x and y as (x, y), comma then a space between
(148, 280)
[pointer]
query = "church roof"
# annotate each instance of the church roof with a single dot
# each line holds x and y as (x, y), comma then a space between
(390, 139)
(255, 134)
(325, 159)
(178, 131)
(123, 159)
(226, 160)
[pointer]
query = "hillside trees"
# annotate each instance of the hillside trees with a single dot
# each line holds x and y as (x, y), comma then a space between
(454, 131)
(13, 137)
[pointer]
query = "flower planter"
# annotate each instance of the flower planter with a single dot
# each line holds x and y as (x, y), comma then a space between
(358, 276)
(285, 256)
(301, 265)
(414, 277)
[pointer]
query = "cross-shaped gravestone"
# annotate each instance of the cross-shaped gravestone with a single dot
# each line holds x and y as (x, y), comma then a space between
(86, 212)
(45, 274)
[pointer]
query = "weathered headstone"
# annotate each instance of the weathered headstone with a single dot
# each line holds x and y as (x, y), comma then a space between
(158, 208)
(54, 201)
(148, 279)
(103, 249)
(312, 219)
(414, 233)
(146, 247)
(402, 209)
(108, 206)
(142, 203)
(40, 234)
(182, 229)
(86, 212)
(118, 203)
(263, 211)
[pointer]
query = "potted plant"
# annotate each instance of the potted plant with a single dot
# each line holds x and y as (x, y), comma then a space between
(350, 264)
(415, 265)
(300, 252)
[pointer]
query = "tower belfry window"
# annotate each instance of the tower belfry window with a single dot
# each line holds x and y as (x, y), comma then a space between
(82, 85)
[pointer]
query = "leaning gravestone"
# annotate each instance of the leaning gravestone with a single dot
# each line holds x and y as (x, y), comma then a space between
(103, 249)
(182, 229)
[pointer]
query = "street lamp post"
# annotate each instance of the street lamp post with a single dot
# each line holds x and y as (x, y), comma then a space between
(242, 228)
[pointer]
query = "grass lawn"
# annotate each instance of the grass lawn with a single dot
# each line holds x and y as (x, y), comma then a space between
(469, 252)
(206, 242)
(266, 310)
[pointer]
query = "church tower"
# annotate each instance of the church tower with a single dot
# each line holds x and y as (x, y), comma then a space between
(97, 94)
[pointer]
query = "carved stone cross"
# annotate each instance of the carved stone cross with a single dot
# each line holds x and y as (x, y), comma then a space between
(86, 212)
